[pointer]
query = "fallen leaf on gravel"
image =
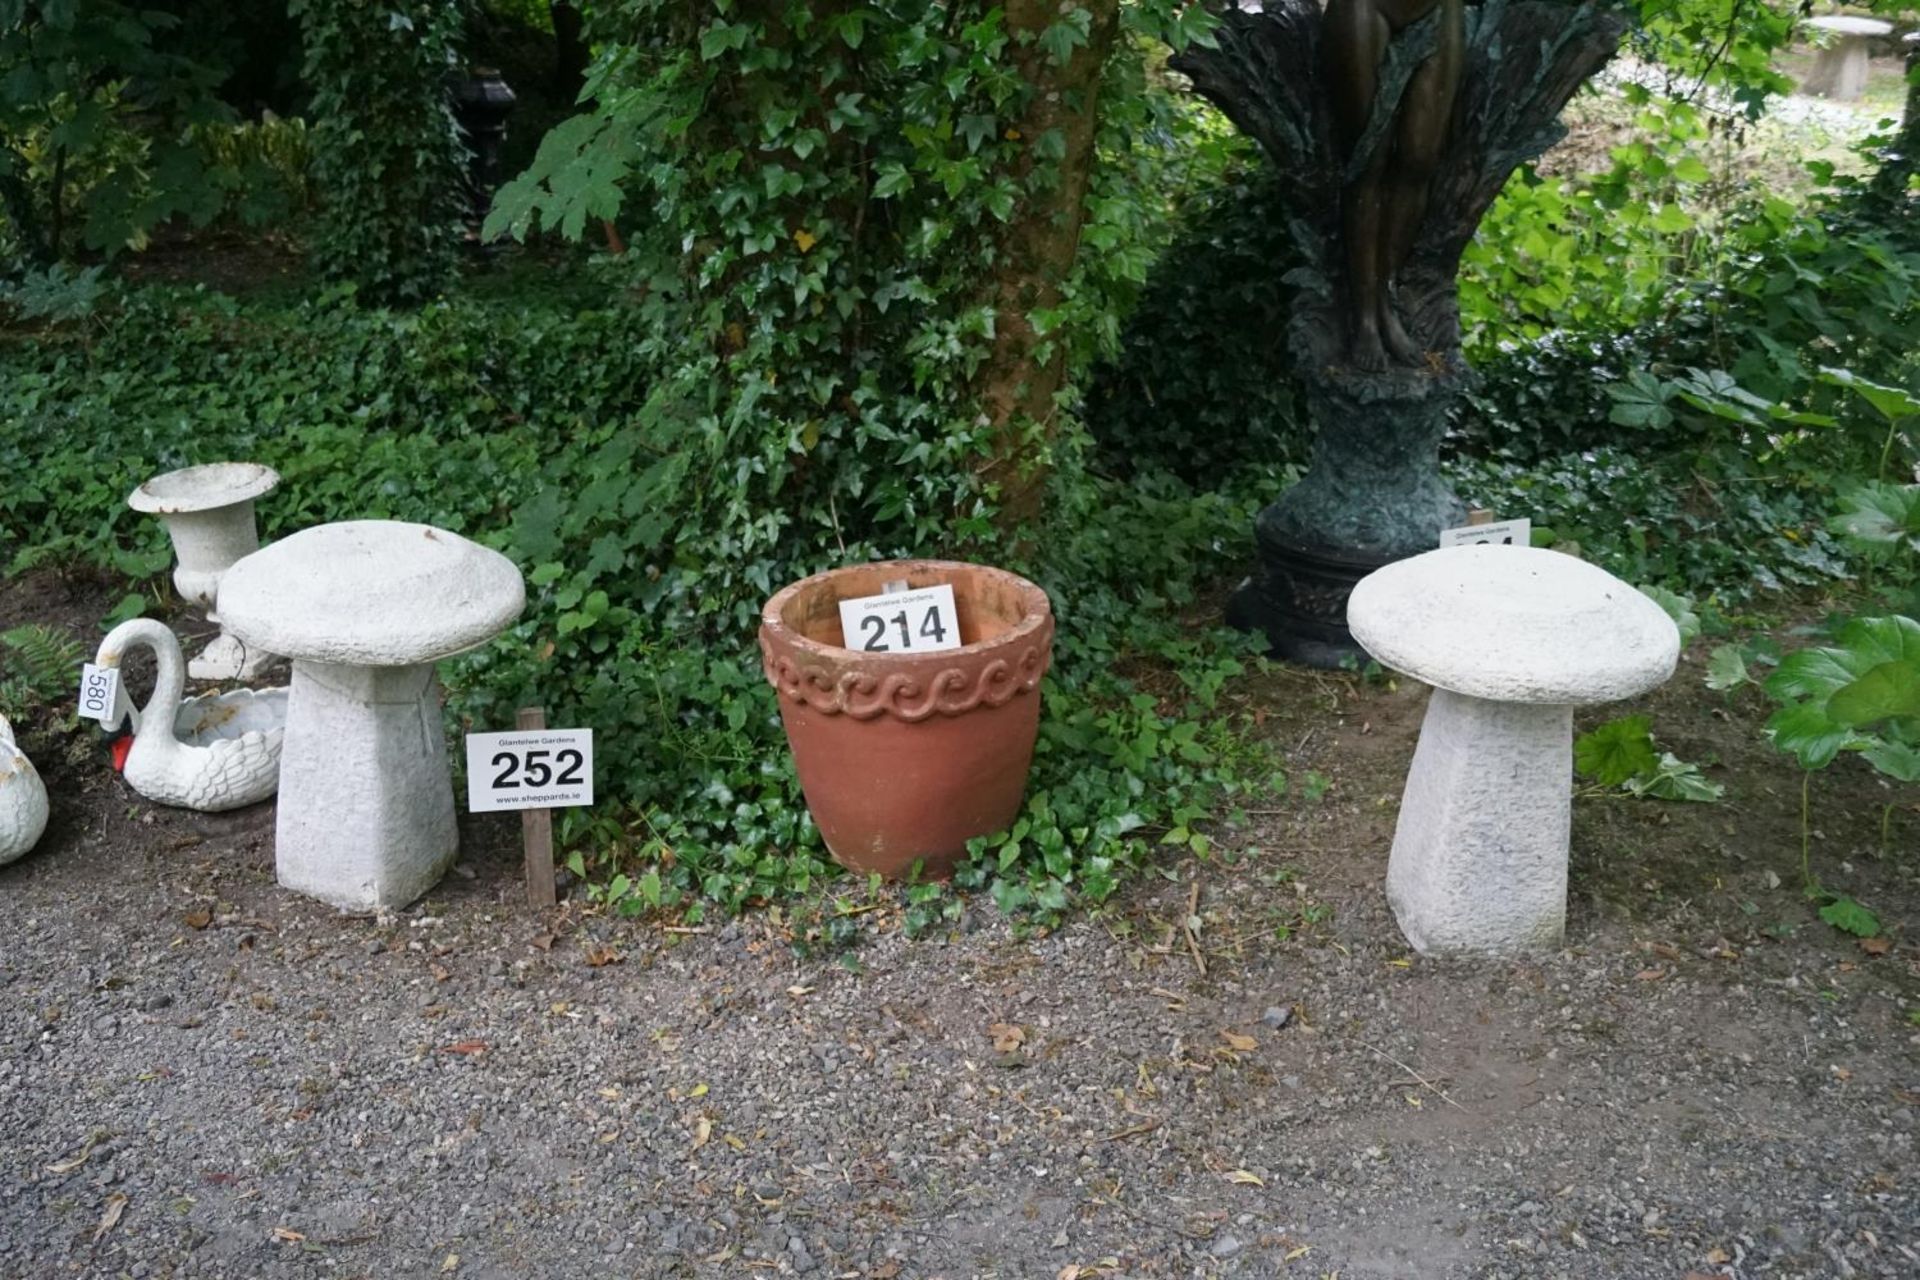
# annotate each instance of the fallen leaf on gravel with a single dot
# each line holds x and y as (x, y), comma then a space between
(451, 1265)
(797, 992)
(543, 942)
(601, 957)
(286, 1235)
(1245, 1179)
(1665, 950)
(885, 1271)
(735, 1141)
(1006, 1036)
(1245, 1044)
(702, 1133)
(116, 1205)
(698, 1091)
(610, 1094)
(1651, 975)
(1841, 1073)
(1294, 1255)
(1401, 963)
(466, 1046)
(439, 972)
(1701, 1275)
(719, 1257)
(1875, 946)
(198, 918)
(1717, 1255)
(73, 1162)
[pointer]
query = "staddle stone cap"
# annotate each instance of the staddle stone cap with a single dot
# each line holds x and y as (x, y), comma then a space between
(217, 484)
(1514, 624)
(374, 593)
(1849, 26)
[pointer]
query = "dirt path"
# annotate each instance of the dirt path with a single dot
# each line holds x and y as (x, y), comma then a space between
(201, 1075)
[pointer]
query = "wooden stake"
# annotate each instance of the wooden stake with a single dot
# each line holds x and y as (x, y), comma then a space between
(1479, 515)
(536, 829)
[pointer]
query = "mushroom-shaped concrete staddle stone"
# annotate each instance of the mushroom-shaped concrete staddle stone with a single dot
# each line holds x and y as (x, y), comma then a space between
(364, 609)
(1511, 639)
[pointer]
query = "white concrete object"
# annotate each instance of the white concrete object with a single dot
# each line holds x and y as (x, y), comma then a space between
(208, 512)
(365, 609)
(212, 753)
(1511, 639)
(1840, 67)
(23, 799)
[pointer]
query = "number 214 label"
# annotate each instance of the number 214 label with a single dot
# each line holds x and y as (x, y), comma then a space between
(529, 769)
(919, 620)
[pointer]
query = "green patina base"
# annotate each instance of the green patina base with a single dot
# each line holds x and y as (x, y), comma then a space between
(1373, 494)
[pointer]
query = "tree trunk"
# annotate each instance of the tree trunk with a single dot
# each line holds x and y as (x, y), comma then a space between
(1024, 370)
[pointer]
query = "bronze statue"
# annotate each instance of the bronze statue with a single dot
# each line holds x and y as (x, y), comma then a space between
(1382, 206)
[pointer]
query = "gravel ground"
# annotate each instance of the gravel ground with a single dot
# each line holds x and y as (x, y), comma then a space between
(201, 1075)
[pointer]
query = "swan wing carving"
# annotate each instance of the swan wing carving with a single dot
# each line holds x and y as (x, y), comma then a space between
(23, 799)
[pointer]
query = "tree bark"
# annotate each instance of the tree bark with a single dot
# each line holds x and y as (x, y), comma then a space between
(1024, 370)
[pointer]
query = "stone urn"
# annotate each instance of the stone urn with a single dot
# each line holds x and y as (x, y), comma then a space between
(208, 514)
(904, 757)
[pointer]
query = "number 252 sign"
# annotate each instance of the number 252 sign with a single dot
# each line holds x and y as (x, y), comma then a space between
(529, 769)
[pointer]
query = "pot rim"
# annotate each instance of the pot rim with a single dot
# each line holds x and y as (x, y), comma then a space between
(1038, 617)
(207, 487)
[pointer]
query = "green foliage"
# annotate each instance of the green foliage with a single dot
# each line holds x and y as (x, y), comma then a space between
(39, 667)
(1202, 382)
(1621, 753)
(387, 155)
(1856, 695)
(1616, 752)
(528, 428)
(96, 127)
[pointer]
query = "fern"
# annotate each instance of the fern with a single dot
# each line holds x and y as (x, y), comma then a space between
(38, 665)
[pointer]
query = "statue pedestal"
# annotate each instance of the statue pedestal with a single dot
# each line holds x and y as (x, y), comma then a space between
(1373, 495)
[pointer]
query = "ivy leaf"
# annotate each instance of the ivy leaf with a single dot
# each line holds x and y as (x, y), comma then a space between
(1893, 403)
(1727, 668)
(1804, 732)
(1879, 514)
(1891, 689)
(1848, 916)
(1897, 760)
(1679, 608)
(893, 179)
(1616, 752)
(1676, 779)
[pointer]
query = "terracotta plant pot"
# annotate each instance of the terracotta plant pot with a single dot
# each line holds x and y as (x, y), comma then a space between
(904, 757)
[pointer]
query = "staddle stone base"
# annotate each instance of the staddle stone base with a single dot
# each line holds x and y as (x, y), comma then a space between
(1479, 862)
(366, 813)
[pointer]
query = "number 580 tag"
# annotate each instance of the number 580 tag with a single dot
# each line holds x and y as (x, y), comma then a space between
(529, 769)
(918, 620)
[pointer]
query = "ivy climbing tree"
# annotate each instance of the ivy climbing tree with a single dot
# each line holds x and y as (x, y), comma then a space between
(387, 153)
(860, 222)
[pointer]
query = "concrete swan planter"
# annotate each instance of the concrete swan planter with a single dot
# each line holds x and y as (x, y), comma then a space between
(208, 513)
(211, 753)
(1511, 639)
(23, 799)
(365, 609)
(904, 757)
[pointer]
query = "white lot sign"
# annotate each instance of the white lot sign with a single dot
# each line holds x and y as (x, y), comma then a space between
(529, 769)
(1502, 533)
(918, 620)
